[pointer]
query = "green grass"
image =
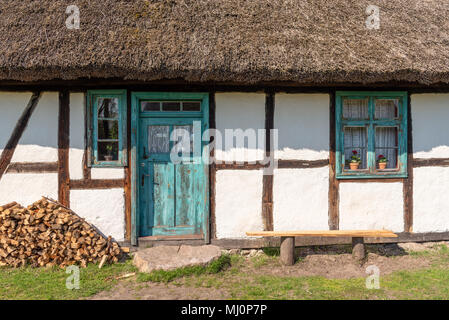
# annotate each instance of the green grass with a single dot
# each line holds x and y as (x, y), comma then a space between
(50, 283)
(238, 277)
(166, 276)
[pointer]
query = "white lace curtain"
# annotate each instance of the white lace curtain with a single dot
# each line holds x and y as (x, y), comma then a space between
(386, 138)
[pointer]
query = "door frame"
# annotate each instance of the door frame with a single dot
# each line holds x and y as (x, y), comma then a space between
(136, 97)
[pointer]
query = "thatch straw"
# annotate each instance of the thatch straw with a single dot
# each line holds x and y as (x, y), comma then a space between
(313, 41)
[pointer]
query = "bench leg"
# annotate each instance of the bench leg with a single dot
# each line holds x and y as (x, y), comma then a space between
(358, 249)
(288, 250)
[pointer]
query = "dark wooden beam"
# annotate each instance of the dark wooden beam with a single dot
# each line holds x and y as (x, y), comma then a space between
(334, 197)
(32, 167)
(87, 140)
(128, 222)
(97, 184)
(267, 189)
(8, 151)
(302, 164)
(282, 164)
(80, 85)
(63, 148)
(240, 166)
(212, 170)
(408, 183)
(431, 162)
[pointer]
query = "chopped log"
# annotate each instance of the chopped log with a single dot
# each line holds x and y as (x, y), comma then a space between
(47, 233)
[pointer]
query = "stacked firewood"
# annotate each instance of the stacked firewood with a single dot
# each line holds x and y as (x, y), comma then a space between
(47, 233)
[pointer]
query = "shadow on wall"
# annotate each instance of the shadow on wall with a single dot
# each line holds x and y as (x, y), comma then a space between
(430, 125)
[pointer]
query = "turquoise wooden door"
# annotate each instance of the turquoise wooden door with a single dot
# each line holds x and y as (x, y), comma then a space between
(173, 195)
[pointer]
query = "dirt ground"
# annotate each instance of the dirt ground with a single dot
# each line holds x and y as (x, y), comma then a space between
(129, 290)
(331, 263)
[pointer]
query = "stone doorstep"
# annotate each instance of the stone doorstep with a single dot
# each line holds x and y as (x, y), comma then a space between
(174, 257)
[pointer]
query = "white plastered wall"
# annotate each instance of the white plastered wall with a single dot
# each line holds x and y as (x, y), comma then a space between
(103, 208)
(37, 144)
(302, 121)
(371, 205)
(300, 199)
(300, 196)
(430, 113)
(77, 131)
(240, 111)
(238, 202)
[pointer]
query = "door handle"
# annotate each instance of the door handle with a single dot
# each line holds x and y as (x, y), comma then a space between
(145, 156)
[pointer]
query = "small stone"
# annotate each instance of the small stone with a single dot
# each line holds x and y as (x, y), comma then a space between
(252, 253)
(412, 246)
(234, 251)
(174, 257)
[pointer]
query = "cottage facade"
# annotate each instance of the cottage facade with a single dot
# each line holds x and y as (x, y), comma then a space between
(95, 117)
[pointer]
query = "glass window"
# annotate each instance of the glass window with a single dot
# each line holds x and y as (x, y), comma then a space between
(107, 143)
(170, 106)
(371, 130)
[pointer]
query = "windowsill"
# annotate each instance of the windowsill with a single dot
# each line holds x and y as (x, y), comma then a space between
(362, 174)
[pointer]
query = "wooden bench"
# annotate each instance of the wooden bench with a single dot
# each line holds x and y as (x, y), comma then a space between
(288, 240)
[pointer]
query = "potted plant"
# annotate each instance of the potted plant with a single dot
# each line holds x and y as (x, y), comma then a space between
(355, 160)
(108, 156)
(382, 161)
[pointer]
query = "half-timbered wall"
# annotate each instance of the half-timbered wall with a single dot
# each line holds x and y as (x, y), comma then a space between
(102, 206)
(37, 144)
(300, 195)
(238, 200)
(430, 114)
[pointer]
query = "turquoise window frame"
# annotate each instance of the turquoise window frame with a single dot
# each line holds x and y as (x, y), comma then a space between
(371, 124)
(92, 131)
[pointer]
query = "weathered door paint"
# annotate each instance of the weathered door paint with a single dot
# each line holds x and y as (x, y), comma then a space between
(173, 197)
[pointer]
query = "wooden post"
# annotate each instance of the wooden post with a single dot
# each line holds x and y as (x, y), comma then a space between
(288, 251)
(63, 148)
(358, 248)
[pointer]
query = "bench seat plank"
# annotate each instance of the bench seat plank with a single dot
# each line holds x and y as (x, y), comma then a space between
(325, 233)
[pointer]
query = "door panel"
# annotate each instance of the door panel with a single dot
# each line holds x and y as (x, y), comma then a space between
(172, 196)
(164, 195)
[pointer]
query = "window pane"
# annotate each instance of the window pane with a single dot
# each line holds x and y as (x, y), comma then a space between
(171, 106)
(107, 129)
(150, 106)
(355, 109)
(107, 151)
(386, 108)
(183, 137)
(107, 107)
(387, 145)
(158, 139)
(191, 106)
(355, 139)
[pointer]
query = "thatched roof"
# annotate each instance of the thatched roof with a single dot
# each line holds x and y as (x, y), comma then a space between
(245, 41)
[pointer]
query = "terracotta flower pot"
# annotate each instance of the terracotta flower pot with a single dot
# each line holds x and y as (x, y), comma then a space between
(353, 165)
(382, 165)
(108, 157)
